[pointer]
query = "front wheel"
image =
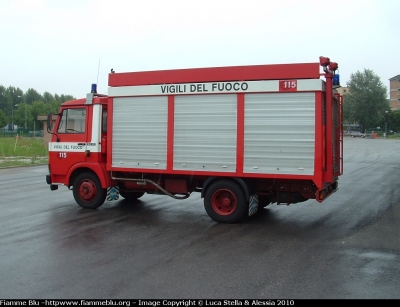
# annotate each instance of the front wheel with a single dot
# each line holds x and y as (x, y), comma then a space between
(225, 202)
(88, 192)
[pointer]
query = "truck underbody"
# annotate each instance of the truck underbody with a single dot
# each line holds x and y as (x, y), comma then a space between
(280, 191)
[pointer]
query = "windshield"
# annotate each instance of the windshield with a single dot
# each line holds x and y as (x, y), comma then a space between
(72, 121)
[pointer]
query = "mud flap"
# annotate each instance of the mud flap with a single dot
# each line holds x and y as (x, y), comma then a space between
(253, 204)
(113, 193)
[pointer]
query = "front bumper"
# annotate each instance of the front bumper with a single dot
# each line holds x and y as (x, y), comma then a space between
(53, 187)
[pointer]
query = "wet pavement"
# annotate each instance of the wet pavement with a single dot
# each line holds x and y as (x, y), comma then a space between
(158, 247)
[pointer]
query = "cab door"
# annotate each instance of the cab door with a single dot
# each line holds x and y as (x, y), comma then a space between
(69, 142)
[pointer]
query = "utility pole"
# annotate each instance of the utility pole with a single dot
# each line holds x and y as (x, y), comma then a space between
(25, 111)
(386, 125)
(12, 117)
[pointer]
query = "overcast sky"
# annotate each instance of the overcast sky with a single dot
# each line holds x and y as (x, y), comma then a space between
(56, 45)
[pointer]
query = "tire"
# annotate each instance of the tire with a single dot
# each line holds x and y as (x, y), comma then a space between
(225, 202)
(88, 192)
(130, 195)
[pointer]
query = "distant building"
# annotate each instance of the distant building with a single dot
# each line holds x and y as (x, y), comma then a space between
(47, 136)
(395, 93)
(9, 127)
(343, 90)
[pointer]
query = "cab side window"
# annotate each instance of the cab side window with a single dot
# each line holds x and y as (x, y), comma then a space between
(72, 121)
(104, 122)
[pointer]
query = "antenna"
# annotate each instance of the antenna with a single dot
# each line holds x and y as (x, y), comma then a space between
(98, 69)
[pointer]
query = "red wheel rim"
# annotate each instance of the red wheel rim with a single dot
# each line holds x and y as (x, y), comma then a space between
(224, 202)
(87, 190)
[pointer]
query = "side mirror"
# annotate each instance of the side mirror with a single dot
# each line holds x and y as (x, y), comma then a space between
(49, 123)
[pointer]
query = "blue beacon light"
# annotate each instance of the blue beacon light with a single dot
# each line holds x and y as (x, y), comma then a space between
(336, 79)
(94, 88)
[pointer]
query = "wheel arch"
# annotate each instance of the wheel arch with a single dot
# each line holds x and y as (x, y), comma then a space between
(96, 169)
(245, 186)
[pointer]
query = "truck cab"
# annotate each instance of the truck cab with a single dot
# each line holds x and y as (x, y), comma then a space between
(78, 147)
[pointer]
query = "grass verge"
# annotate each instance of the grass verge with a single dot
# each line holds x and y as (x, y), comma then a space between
(22, 151)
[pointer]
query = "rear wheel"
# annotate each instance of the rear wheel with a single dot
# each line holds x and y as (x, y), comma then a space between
(225, 202)
(130, 195)
(88, 192)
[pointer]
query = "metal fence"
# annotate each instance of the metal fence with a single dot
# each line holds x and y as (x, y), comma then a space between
(5, 133)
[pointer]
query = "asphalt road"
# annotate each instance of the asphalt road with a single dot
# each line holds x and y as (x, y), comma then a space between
(348, 247)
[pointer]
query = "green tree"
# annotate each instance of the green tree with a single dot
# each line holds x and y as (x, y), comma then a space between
(4, 103)
(54, 107)
(22, 113)
(393, 121)
(39, 108)
(47, 97)
(13, 97)
(18, 106)
(64, 98)
(366, 102)
(3, 119)
(32, 95)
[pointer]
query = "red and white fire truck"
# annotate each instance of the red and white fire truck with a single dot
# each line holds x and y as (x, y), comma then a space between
(242, 136)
